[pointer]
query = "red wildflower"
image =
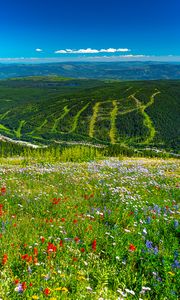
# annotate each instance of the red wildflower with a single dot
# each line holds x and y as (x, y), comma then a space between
(35, 251)
(94, 243)
(63, 219)
(75, 259)
(16, 281)
(46, 291)
(25, 257)
(76, 239)
(42, 239)
(82, 250)
(130, 213)
(132, 247)
(35, 260)
(75, 221)
(3, 191)
(1, 210)
(29, 260)
(30, 284)
(56, 201)
(61, 243)
(4, 259)
(51, 248)
(24, 285)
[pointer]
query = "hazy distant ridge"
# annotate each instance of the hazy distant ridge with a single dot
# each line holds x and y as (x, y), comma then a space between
(114, 70)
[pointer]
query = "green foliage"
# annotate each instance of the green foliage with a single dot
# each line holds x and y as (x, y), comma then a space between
(47, 109)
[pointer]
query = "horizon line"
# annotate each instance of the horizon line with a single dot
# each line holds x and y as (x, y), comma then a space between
(122, 58)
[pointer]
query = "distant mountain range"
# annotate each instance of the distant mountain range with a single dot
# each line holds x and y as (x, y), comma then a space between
(100, 70)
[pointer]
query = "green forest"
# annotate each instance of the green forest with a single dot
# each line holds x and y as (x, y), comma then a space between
(117, 115)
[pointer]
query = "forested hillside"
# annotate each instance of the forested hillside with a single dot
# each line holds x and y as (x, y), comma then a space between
(55, 109)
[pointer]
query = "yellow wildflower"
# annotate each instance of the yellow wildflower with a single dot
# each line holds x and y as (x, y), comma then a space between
(54, 272)
(81, 278)
(171, 273)
(58, 289)
(64, 289)
(35, 297)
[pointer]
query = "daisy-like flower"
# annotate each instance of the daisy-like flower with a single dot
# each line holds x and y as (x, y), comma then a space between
(130, 292)
(89, 289)
(146, 288)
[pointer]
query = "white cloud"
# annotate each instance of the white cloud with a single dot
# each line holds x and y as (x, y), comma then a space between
(38, 50)
(91, 51)
(60, 51)
(123, 50)
(109, 50)
(88, 50)
(113, 50)
(80, 51)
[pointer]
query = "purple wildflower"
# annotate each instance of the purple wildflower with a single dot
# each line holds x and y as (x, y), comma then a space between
(156, 250)
(19, 288)
(148, 220)
(149, 244)
(176, 264)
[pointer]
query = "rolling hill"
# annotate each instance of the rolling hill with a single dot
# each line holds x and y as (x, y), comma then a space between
(95, 70)
(54, 109)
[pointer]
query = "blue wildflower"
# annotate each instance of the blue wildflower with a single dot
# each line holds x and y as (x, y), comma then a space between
(157, 209)
(176, 254)
(148, 220)
(156, 250)
(176, 264)
(149, 244)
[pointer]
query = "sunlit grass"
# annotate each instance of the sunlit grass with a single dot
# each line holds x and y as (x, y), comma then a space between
(105, 229)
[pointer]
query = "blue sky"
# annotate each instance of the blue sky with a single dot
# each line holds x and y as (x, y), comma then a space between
(89, 29)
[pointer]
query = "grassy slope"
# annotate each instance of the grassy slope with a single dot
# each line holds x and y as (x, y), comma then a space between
(129, 207)
(51, 108)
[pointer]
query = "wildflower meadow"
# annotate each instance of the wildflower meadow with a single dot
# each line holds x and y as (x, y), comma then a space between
(105, 229)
